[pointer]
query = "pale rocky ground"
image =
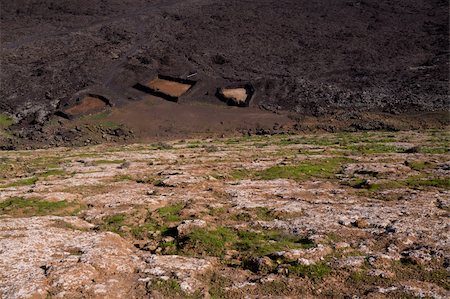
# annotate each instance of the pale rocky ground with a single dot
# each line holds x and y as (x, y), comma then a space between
(362, 215)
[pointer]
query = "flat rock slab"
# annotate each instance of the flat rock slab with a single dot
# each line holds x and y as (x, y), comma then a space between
(40, 257)
(185, 269)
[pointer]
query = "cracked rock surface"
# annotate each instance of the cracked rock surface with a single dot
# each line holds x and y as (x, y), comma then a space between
(309, 215)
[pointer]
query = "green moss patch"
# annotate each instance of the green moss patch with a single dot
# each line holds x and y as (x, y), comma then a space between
(171, 213)
(360, 183)
(315, 272)
(100, 162)
(113, 223)
(418, 182)
(5, 121)
(249, 244)
(324, 168)
(53, 172)
(21, 182)
(21, 207)
(170, 288)
(375, 148)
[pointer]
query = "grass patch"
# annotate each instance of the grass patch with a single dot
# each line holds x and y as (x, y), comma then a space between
(435, 150)
(21, 207)
(327, 169)
(249, 244)
(86, 155)
(45, 163)
(417, 182)
(170, 288)
(194, 145)
(218, 285)
(100, 119)
(242, 174)
(315, 272)
(171, 213)
(324, 168)
(88, 190)
(145, 180)
(360, 279)
(264, 214)
(374, 174)
(163, 146)
(264, 243)
(22, 182)
(53, 172)
(5, 121)
(66, 225)
(113, 223)
(406, 270)
(210, 242)
(161, 220)
(307, 140)
(360, 183)
(99, 162)
(420, 165)
(375, 148)
(123, 177)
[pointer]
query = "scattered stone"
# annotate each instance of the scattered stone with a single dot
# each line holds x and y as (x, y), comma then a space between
(380, 261)
(187, 226)
(168, 239)
(311, 254)
(259, 264)
(341, 245)
(306, 262)
(151, 192)
(124, 165)
(361, 223)
(32, 243)
(352, 262)
(187, 270)
(390, 229)
(381, 273)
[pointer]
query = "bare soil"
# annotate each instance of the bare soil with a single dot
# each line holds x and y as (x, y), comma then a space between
(171, 88)
(237, 94)
(87, 105)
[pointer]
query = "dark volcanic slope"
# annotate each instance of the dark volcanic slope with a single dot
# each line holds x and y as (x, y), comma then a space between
(303, 56)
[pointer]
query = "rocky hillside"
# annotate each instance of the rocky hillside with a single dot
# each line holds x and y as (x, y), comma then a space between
(362, 214)
(307, 58)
